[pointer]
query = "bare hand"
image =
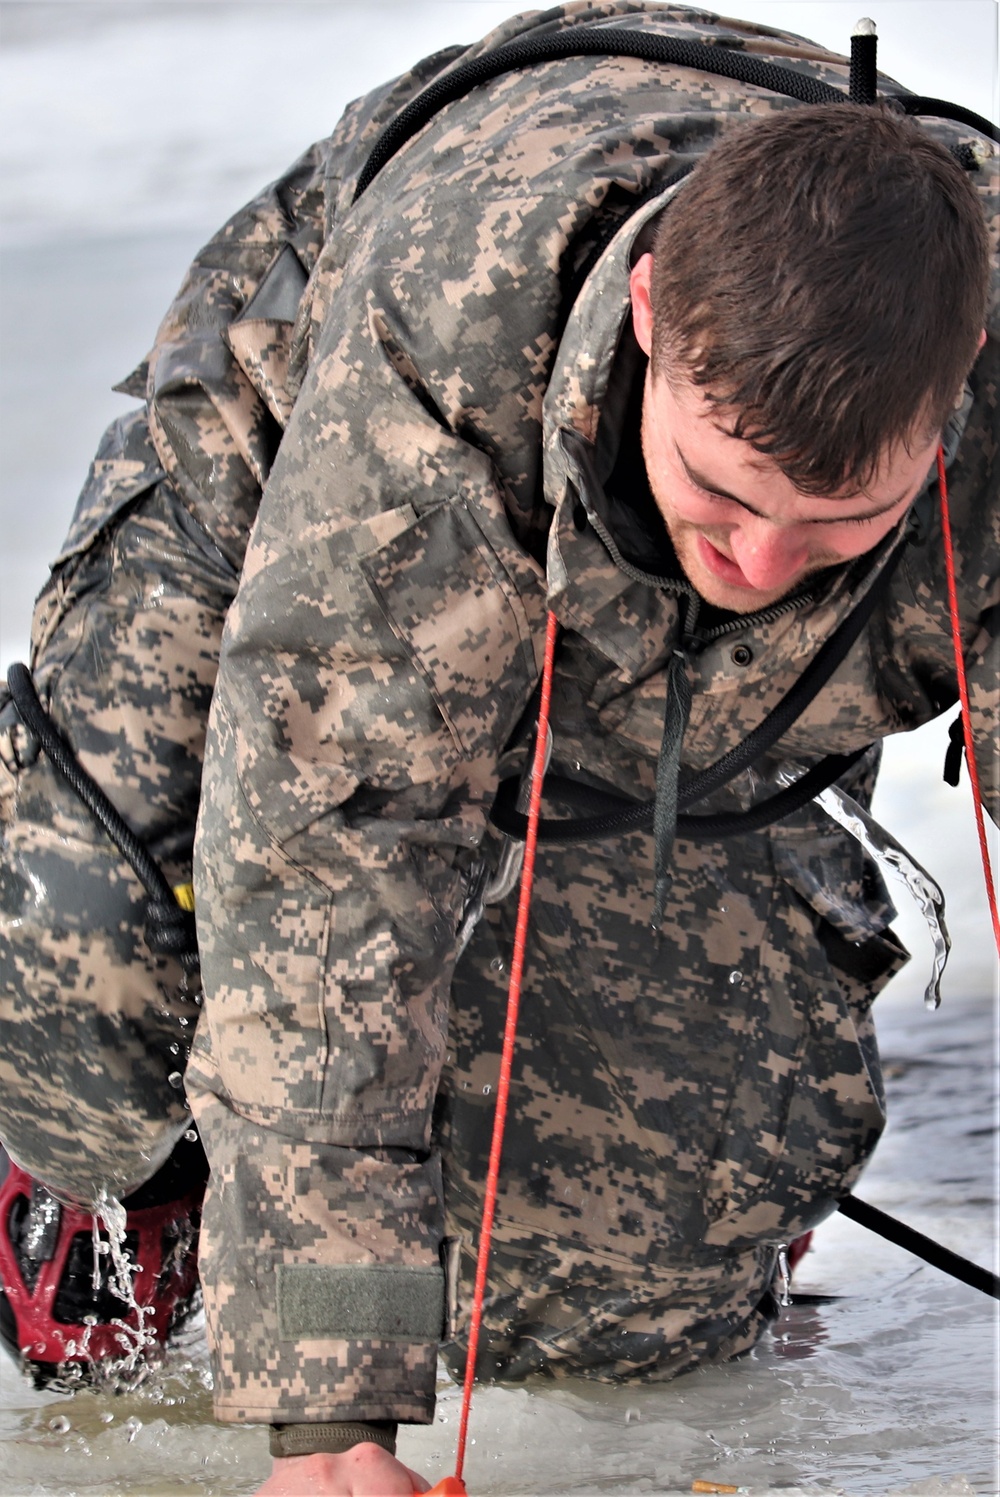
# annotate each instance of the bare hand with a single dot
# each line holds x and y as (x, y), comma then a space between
(363, 1471)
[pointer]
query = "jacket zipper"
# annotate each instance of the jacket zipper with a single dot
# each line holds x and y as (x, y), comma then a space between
(692, 640)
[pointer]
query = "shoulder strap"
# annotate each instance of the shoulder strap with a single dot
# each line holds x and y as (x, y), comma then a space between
(638, 815)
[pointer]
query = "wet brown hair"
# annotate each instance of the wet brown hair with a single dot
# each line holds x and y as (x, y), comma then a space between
(823, 275)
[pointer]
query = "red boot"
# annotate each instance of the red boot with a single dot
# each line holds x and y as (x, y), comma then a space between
(64, 1317)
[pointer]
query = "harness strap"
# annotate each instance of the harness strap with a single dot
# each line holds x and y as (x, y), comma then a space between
(620, 815)
(586, 41)
(639, 815)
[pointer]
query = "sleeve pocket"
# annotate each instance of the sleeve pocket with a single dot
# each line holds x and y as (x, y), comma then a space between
(449, 599)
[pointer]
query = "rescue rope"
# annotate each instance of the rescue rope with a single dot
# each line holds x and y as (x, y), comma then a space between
(922, 1247)
(963, 692)
(510, 1035)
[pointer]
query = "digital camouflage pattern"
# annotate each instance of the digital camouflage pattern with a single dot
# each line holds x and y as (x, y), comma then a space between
(125, 644)
(683, 1102)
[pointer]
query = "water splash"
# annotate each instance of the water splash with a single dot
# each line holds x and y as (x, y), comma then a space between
(135, 1338)
(892, 858)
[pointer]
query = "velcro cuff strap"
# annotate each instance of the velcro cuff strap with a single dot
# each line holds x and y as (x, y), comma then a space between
(330, 1439)
(360, 1302)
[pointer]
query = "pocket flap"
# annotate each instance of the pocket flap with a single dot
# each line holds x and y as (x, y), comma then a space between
(451, 601)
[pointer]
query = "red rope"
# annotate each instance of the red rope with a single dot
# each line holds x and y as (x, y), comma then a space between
(510, 1034)
(521, 932)
(963, 692)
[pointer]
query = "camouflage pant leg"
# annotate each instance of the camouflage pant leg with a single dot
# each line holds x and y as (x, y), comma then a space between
(94, 1028)
(681, 1104)
(567, 1311)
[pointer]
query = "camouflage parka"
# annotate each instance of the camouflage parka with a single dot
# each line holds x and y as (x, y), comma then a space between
(429, 384)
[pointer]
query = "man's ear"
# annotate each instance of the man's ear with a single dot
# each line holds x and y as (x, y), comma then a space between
(640, 281)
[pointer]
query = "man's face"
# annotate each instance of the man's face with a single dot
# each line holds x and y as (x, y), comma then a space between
(744, 535)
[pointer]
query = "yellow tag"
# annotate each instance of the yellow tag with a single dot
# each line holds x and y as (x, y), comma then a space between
(184, 895)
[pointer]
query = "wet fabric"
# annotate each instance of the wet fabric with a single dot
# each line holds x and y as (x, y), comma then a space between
(433, 426)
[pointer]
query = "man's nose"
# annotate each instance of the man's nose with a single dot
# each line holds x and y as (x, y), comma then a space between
(769, 555)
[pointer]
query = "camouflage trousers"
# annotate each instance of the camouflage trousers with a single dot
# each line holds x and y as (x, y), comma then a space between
(677, 1111)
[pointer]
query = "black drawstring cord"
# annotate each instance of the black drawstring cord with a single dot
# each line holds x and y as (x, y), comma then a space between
(668, 768)
(170, 930)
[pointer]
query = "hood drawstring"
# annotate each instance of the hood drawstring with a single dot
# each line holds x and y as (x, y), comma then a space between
(668, 766)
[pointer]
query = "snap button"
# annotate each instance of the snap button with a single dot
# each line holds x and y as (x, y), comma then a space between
(742, 655)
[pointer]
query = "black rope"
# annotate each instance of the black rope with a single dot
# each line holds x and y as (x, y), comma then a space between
(170, 930)
(922, 1247)
(942, 110)
(816, 674)
(863, 85)
(586, 41)
(590, 41)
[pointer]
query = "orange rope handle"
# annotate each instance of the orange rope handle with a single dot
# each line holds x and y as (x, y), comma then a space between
(963, 692)
(510, 1036)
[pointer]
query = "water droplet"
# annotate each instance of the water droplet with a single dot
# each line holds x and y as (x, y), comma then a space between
(107, 1418)
(103, 1247)
(632, 1416)
(133, 1426)
(487, 1090)
(466, 1085)
(183, 1023)
(60, 1425)
(496, 965)
(735, 978)
(175, 1049)
(176, 1080)
(191, 1135)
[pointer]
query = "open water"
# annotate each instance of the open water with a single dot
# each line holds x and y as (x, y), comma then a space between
(128, 131)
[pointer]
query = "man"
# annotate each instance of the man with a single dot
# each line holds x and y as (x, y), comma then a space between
(699, 430)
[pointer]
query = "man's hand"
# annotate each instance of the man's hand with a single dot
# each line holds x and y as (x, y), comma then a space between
(363, 1471)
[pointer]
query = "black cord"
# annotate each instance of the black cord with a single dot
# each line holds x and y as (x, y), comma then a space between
(942, 110)
(813, 678)
(863, 84)
(922, 1247)
(586, 41)
(591, 41)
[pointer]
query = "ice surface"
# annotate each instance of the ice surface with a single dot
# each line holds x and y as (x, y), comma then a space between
(889, 1387)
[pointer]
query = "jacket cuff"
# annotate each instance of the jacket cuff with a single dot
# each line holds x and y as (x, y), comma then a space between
(330, 1439)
